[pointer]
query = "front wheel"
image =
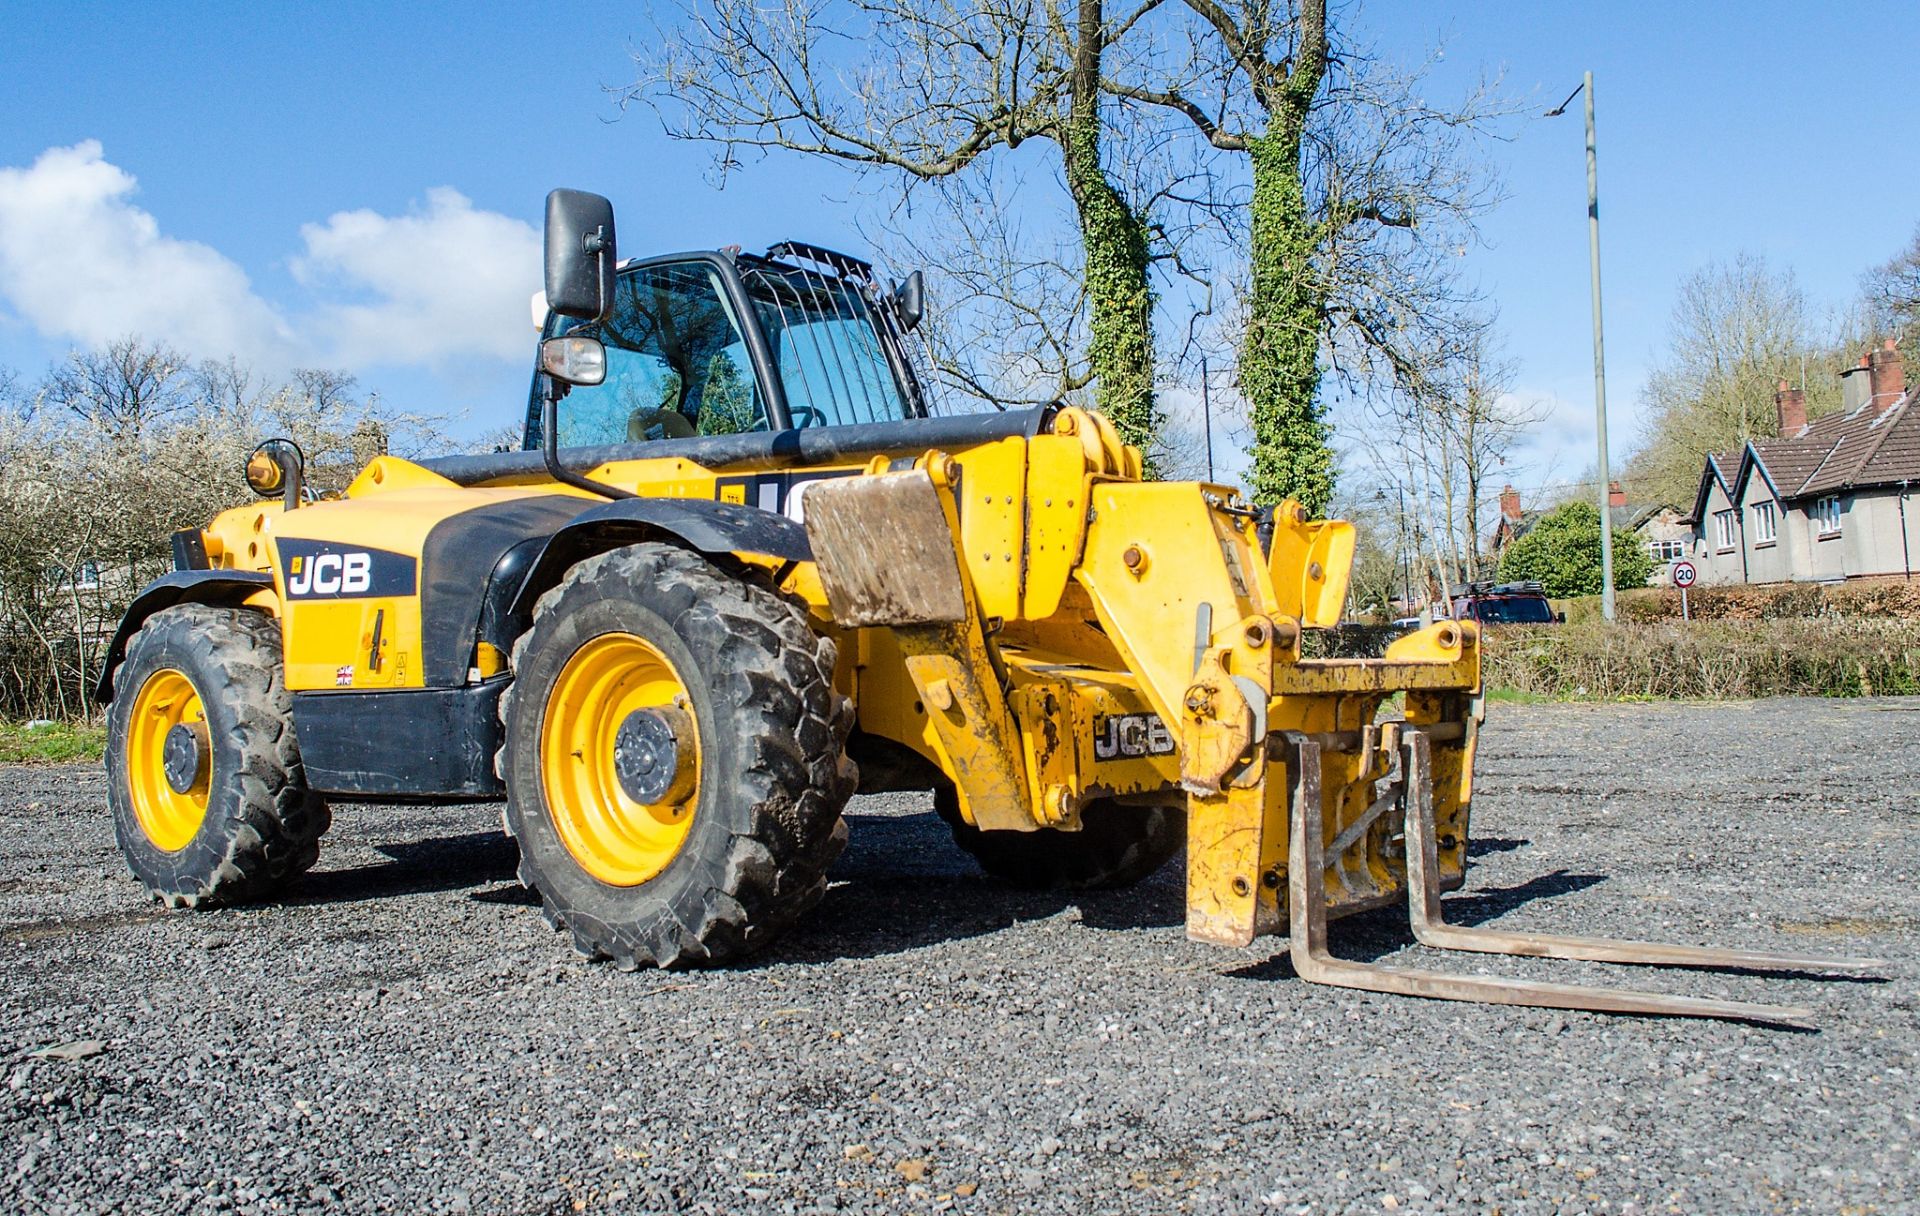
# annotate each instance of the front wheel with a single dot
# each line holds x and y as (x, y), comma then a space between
(674, 759)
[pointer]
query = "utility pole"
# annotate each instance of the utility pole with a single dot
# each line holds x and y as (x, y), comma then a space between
(1406, 559)
(1206, 413)
(1599, 364)
(1599, 347)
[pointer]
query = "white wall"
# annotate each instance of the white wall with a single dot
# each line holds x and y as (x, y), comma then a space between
(1772, 561)
(1715, 567)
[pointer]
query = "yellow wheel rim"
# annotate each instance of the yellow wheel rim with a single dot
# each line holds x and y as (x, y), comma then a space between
(169, 817)
(619, 840)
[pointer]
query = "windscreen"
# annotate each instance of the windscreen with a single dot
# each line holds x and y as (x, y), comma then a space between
(821, 332)
(1519, 611)
(677, 365)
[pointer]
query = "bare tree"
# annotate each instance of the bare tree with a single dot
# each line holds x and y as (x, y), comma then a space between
(1482, 422)
(1891, 295)
(1435, 442)
(90, 492)
(125, 388)
(926, 89)
(1009, 322)
(1738, 329)
(1362, 196)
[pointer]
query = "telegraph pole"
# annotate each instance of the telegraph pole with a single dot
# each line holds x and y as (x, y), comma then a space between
(1599, 364)
(1599, 346)
(1206, 413)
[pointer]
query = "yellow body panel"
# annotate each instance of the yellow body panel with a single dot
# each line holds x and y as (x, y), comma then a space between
(332, 643)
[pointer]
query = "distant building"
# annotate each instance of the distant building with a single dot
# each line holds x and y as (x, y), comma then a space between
(1662, 527)
(1825, 501)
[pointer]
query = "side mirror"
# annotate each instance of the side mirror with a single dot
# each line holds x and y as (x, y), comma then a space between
(278, 466)
(910, 301)
(580, 255)
(574, 359)
(1560, 618)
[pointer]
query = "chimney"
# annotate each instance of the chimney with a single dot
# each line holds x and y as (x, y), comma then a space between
(1889, 377)
(1791, 405)
(1854, 386)
(1616, 497)
(1510, 504)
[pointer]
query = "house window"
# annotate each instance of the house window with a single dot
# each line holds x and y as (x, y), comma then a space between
(1664, 551)
(1763, 523)
(1728, 528)
(1826, 515)
(85, 578)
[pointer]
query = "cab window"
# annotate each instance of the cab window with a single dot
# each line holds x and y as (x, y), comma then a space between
(826, 346)
(677, 365)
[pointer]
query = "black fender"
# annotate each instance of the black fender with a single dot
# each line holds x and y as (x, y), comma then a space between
(707, 527)
(225, 587)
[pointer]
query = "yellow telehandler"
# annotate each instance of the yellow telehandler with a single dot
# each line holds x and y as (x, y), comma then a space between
(740, 571)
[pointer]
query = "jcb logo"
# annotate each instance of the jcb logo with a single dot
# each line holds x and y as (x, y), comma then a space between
(1129, 736)
(323, 572)
(332, 574)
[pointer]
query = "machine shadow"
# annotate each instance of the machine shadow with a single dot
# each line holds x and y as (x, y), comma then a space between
(1483, 845)
(903, 884)
(1370, 936)
(444, 863)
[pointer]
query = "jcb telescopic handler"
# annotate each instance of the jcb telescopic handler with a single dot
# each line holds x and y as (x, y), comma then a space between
(739, 571)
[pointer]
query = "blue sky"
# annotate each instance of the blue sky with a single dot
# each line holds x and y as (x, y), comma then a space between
(360, 184)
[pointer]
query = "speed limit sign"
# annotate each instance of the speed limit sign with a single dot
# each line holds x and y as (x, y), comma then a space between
(1683, 576)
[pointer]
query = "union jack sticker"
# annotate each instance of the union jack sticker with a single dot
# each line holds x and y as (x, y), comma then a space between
(343, 677)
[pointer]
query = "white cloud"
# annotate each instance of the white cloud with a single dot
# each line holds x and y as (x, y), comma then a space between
(79, 262)
(443, 282)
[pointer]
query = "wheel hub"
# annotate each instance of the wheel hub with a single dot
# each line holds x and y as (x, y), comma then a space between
(646, 756)
(183, 755)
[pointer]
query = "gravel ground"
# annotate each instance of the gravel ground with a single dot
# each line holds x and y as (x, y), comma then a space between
(406, 1034)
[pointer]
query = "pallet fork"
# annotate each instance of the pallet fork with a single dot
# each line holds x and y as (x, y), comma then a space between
(1307, 915)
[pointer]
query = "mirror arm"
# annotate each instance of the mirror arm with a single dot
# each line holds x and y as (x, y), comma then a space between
(293, 465)
(550, 447)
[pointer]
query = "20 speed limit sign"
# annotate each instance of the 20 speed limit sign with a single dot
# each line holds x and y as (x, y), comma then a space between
(1684, 574)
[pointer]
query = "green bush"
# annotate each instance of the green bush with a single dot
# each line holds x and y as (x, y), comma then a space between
(1562, 553)
(1710, 660)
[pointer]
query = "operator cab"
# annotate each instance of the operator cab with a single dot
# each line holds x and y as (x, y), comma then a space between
(721, 343)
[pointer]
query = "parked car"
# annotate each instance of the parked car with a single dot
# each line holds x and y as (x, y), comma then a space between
(1504, 604)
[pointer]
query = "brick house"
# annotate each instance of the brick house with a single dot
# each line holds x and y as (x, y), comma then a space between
(1825, 501)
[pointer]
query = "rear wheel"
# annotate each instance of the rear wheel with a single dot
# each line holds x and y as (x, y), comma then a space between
(1117, 845)
(674, 759)
(210, 803)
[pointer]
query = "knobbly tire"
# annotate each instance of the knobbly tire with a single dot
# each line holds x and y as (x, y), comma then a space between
(772, 773)
(258, 825)
(1117, 845)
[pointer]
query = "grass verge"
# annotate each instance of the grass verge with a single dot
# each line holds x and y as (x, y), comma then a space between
(54, 743)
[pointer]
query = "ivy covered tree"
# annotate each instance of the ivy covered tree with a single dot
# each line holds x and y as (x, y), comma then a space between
(1361, 196)
(1562, 553)
(936, 89)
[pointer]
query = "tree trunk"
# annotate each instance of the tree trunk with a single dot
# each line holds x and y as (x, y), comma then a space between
(1280, 357)
(1115, 240)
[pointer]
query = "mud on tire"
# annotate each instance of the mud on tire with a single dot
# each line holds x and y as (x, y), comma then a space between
(773, 774)
(262, 825)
